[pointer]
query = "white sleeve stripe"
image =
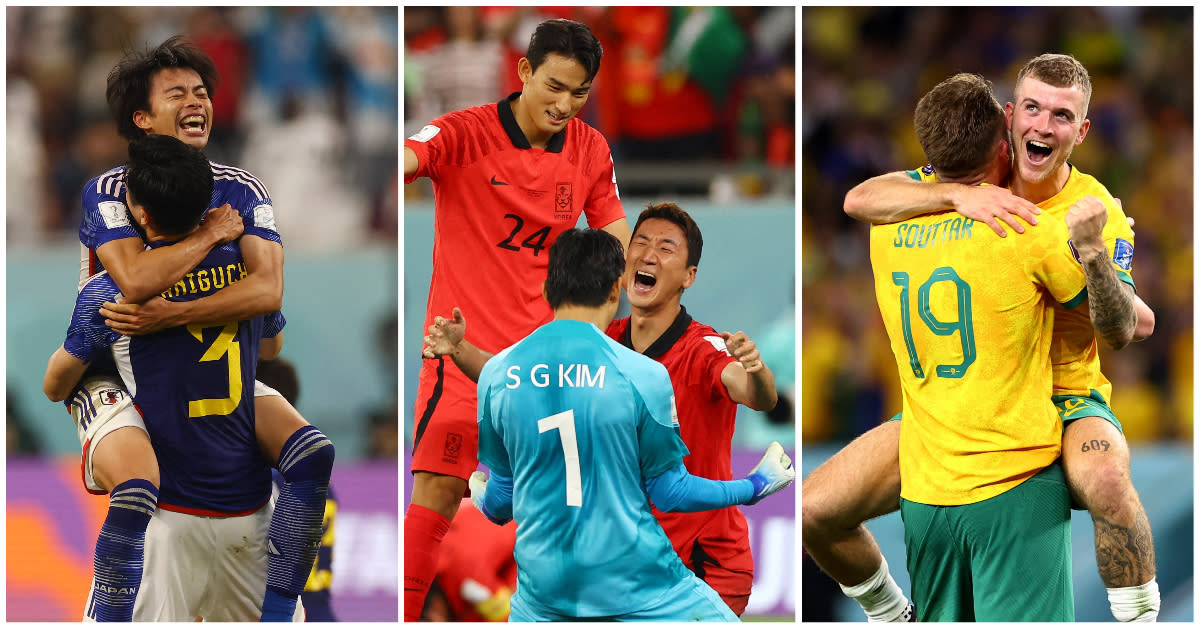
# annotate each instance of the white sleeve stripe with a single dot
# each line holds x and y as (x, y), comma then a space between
(230, 173)
(111, 182)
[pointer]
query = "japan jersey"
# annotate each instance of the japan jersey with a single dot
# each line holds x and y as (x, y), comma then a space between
(106, 217)
(1074, 352)
(694, 355)
(194, 387)
(580, 423)
(499, 204)
(969, 315)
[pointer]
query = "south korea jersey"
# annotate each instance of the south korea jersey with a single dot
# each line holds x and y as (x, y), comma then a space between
(580, 422)
(106, 217)
(194, 386)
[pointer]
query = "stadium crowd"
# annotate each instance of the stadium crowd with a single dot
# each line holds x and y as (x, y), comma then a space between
(864, 69)
(694, 85)
(307, 101)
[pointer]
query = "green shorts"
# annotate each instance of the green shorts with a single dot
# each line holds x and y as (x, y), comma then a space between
(1007, 558)
(1071, 407)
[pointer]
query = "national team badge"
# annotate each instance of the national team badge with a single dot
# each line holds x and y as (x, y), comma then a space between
(1123, 254)
(562, 201)
(110, 396)
(453, 447)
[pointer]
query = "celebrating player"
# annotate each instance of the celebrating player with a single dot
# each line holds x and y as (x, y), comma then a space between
(576, 479)
(711, 373)
(508, 178)
(1098, 477)
(187, 383)
(167, 91)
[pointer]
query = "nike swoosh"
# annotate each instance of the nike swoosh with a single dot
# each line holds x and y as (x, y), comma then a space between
(495, 182)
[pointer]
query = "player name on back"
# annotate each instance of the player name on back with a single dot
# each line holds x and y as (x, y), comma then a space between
(562, 375)
(917, 236)
(205, 280)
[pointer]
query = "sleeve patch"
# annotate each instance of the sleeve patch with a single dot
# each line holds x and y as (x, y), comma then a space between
(1123, 254)
(674, 413)
(114, 214)
(264, 217)
(425, 134)
(718, 343)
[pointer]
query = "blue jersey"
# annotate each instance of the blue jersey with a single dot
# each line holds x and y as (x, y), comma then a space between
(106, 217)
(194, 387)
(579, 423)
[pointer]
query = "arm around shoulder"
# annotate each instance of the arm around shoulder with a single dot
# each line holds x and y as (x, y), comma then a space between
(62, 375)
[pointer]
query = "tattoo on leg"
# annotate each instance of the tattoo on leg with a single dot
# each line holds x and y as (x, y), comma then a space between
(1125, 556)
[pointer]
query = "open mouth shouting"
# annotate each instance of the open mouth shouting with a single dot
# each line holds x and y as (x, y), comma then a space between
(1038, 153)
(194, 125)
(643, 282)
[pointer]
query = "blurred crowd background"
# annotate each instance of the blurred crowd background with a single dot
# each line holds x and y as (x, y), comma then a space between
(864, 70)
(693, 100)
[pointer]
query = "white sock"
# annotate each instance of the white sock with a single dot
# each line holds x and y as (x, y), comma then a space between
(1138, 603)
(881, 598)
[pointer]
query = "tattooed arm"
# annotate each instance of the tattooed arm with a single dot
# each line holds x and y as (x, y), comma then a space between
(1110, 301)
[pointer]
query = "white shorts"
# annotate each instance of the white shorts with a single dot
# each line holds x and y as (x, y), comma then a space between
(99, 407)
(214, 568)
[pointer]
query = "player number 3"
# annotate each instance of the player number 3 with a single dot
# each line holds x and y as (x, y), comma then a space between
(227, 346)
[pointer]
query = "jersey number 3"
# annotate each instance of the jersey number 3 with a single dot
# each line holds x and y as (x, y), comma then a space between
(564, 422)
(225, 346)
(964, 326)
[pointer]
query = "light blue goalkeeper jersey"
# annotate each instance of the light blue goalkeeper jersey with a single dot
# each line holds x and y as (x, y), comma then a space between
(579, 422)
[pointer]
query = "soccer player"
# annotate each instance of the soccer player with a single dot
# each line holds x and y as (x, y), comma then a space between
(985, 507)
(1099, 478)
(188, 384)
(476, 573)
(167, 91)
(508, 178)
(711, 374)
(577, 432)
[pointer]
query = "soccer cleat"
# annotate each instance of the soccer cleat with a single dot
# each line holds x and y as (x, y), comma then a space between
(772, 474)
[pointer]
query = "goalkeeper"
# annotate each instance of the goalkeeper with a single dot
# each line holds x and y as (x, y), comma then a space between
(578, 431)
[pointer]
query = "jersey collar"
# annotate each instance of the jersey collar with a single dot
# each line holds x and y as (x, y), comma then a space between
(516, 136)
(666, 340)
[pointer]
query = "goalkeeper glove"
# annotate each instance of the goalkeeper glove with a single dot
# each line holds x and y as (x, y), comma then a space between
(478, 485)
(772, 474)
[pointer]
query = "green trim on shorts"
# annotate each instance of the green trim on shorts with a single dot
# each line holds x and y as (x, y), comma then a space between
(1072, 407)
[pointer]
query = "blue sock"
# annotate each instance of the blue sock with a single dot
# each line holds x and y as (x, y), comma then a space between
(305, 463)
(120, 550)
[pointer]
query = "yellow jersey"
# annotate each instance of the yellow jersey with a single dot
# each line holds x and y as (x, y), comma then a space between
(1074, 351)
(970, 317)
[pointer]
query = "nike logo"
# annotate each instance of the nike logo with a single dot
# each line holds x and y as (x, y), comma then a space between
(495, 182)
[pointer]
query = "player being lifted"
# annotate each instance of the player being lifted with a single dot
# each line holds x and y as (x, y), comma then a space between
(167, 91)
(711, 374)
(508, 178)
(577, 431)
(187, 384)
(1052, 96)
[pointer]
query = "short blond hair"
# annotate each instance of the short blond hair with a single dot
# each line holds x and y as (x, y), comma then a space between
(1059, 70)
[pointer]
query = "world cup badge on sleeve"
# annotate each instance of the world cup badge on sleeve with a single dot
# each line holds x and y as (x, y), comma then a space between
(1123, 254)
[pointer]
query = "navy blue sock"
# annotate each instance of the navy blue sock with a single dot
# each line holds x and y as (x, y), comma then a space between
(305, 463)
(120, 550)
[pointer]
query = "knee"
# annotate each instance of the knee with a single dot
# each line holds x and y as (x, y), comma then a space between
(818, 516)
(308, 455)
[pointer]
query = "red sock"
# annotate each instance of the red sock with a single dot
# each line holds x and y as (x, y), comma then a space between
(424, 530)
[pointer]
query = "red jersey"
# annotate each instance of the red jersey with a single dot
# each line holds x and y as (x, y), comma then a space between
(499, 206)
(695, 355)
(476, 569)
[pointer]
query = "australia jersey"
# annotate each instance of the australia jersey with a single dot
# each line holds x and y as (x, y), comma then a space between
(580, 422)
(970, 315)
(194, 387)
(1074, 352)
(499, 206)
(106, 217)
(695, 355)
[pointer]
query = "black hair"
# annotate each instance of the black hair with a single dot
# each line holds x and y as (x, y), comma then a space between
(673, 213)
(584, 266)
(129, 81)
(568, 38)
(280, 374)
(171, 180)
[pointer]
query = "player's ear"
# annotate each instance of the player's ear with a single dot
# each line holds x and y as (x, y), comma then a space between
(544, 294)
(614, 295)
(690, 278)
(524, 70)
(1083, 129)
(141, 119)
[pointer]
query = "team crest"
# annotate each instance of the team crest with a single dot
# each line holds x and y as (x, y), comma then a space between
(110, 396)
(453, 447)
(562, 201)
